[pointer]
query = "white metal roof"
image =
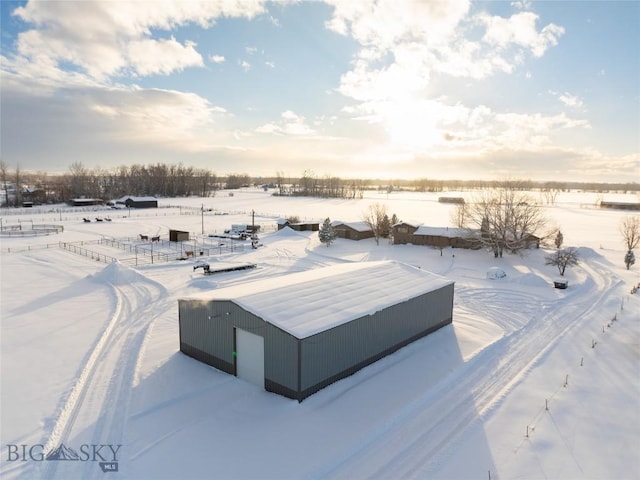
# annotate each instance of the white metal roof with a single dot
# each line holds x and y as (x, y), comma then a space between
(361, 226)
(310, 302)
(448, 232)
(136, 199)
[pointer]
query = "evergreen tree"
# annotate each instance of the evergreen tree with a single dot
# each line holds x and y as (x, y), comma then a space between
(326, 234)
(629, 259)
(385, 227)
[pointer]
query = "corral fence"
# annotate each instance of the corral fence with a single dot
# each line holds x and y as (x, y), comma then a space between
(167, 251)
(148, 253)
(25, 230)
(93, 255)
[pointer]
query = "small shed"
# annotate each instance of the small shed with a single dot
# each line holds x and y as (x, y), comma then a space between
(178, 236)
(561, 283)
(310, 225)
(352, 230)
(620, 205)
(85, 202)
(458, 200)
(298, 333)
(138, 202)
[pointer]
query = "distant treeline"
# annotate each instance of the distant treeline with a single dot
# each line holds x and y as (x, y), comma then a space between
(165, 180)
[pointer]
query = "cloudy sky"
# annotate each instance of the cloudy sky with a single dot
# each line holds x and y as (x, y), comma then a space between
(545, 90)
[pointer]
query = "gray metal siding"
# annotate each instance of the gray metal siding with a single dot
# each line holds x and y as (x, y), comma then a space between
(297, 368)
(209, 327)
(329, 353)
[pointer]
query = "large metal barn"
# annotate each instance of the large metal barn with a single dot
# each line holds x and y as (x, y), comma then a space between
(300, 332)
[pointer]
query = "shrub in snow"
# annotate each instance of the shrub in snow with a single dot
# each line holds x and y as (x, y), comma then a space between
(494, 273)
(629, 259)
(559, 239)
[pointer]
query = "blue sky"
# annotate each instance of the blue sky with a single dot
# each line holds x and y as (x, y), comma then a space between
(382, 88)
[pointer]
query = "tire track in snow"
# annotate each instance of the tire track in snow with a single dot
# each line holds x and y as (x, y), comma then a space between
(96, 411)
(414, 441)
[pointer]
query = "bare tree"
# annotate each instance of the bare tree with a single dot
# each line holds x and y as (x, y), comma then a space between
(4, 180)
(79, 175)
(280, 182)
(508, 219)
(459, 215)
(562, 259)
(630, 230)
(18, 178)
(375, 219)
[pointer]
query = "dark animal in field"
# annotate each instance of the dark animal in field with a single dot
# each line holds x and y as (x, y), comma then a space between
(155, 239)
(188, 253)
(86, 220)
(98, 219)
(144, 237)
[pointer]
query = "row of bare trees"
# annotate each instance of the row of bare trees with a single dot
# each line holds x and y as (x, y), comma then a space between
(155, 179)
(328, 186)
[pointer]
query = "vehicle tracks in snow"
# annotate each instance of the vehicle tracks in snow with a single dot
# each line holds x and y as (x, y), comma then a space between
(414, 441)
(96, 410)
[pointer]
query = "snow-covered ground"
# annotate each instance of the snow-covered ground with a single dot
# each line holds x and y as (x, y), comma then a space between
(528, 382)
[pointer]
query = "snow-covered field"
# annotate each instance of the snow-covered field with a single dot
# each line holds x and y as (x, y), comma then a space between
(529, 382)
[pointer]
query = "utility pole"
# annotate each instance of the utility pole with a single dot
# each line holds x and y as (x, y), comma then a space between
(202, 213)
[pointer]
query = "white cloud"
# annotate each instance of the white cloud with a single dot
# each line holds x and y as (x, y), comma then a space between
(105, 38)
(150, 57)
(520, 29)
(571, 100)
(246, 66)
(385, 23)
(217, 58)
(405, 45)
(290, 124)
(108, 126)
(251, 50)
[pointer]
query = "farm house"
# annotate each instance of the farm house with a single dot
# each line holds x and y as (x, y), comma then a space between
(298, 333)
(440, 237)
(352, 230)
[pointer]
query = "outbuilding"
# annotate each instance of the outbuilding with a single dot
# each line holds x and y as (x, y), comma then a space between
(178, 235)
(352, 230)
(309, 225)
(138, 202)
(298, 333)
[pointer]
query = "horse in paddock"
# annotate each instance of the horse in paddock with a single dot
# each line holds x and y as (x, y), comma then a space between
(144, 237)
(188, 253)
(155, 239)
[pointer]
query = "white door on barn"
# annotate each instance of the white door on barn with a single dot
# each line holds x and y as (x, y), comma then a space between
(250, 357)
